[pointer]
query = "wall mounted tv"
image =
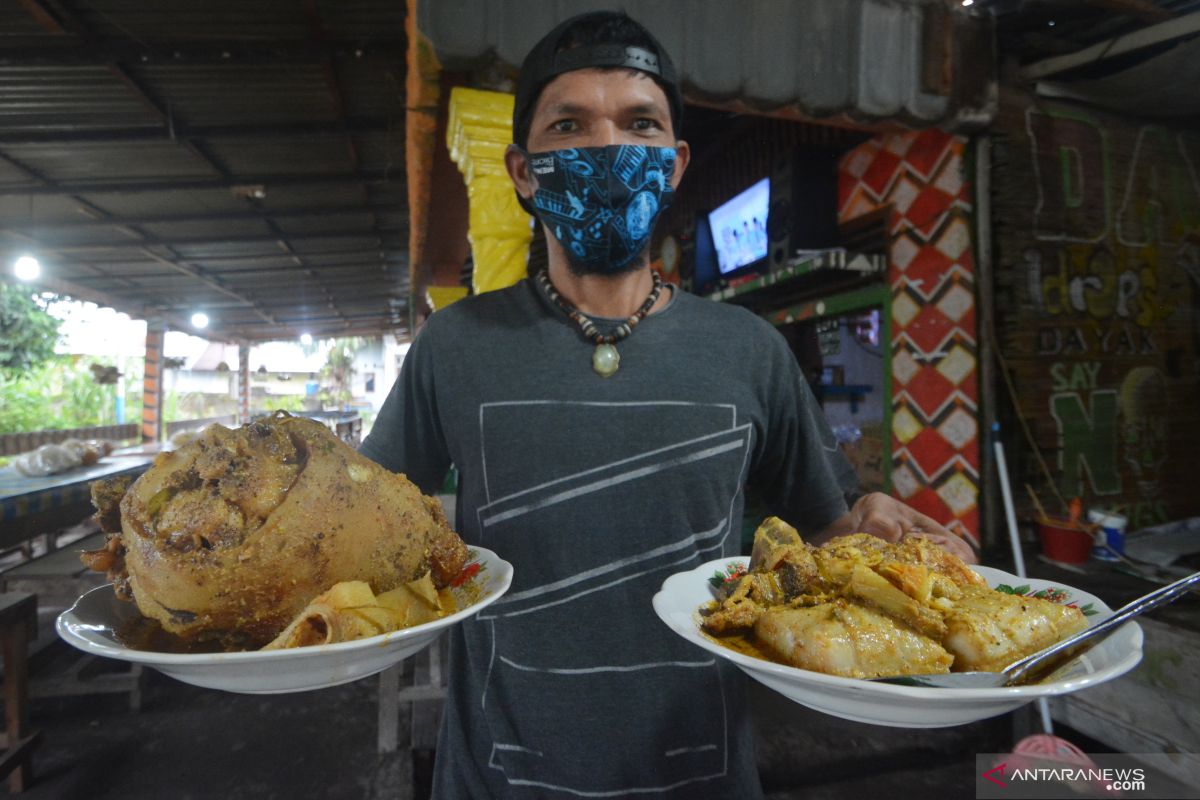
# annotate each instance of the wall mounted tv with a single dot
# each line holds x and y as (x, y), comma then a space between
(739, 229)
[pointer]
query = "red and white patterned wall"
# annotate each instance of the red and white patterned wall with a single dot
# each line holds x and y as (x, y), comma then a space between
(931, 272)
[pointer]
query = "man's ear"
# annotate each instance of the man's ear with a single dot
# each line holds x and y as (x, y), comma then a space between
(518, 171)
(683, 154)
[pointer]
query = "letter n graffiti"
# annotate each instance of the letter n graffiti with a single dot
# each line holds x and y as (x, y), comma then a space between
(1087, 441)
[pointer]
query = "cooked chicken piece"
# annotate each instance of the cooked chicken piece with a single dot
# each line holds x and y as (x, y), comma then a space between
(918, 550)
(229, 537)
(743, 602)
(836, 557)
(871, 588)
(853, 641)
(771, 534)
(106, 497)
(988, 630)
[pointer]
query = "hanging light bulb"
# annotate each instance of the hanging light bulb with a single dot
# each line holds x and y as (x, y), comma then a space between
(199, 320)
(306, 339)
(27, 268)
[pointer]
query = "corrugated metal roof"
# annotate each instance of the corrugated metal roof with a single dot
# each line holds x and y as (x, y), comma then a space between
(135, 135)
(214, 19)
(210, 94)
(819, 58)
(100, 161)
(42, 97)
(1149, 89)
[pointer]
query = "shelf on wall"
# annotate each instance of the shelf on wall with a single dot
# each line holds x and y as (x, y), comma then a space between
(853, 392)
(808, 273)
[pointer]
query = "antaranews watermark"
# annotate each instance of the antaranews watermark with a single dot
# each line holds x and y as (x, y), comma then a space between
(1108, 775)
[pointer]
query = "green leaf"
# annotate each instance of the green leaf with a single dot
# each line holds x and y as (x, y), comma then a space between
(29, 333)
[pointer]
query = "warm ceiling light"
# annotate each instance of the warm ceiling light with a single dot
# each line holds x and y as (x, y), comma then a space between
(306, 339)
(199, 320)
(27, 268)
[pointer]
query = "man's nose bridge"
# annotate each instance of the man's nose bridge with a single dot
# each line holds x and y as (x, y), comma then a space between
(604, 133)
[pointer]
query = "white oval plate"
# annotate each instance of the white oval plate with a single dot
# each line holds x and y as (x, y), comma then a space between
(91, 623)
(682, 594)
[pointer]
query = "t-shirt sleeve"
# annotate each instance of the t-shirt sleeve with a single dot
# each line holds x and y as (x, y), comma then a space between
(407, 435)
(799, 470)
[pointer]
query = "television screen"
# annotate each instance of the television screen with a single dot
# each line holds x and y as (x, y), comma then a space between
(739, 228)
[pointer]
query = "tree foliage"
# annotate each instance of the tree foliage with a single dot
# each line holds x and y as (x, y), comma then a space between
(63, 393)
(338, 372)
(27, 333)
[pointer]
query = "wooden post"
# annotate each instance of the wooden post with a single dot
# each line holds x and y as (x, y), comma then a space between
(18, 624)
(243, 383)
(152, 385)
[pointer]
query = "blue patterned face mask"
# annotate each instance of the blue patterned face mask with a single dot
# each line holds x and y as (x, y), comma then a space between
(601, 203)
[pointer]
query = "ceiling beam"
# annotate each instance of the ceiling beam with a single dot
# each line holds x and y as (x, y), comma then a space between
(120, 303)
(74, 135)
(99, 51)
(1137, 40)
(293, 307)
(60, 22)
(259, 335)
(383, 238)
(45, 16)
(1142, 9)
(329, 69)
(168, 184)
(397, 258)
(256, 213)
(236, 274)
(165, 116)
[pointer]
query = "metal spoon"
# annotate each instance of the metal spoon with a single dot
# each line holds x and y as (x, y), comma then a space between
(1043, 660)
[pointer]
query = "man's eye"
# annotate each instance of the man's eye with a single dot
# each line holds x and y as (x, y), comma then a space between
(564, 125)
(645, 124)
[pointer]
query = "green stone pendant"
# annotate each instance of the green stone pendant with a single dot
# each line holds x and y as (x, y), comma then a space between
(605, 360)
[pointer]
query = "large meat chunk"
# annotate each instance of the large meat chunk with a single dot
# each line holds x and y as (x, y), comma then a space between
(988, 630)
(231, 536)
(853, 641)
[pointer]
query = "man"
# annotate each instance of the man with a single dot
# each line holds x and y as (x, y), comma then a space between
(604, 428)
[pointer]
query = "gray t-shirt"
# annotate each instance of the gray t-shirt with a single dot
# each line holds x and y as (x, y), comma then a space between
(596, 490)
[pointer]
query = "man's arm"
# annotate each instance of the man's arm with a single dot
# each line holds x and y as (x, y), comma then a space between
(407, 435)
(891, 520)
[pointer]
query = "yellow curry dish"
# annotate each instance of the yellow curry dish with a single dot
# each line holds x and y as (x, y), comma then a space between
(860, 607)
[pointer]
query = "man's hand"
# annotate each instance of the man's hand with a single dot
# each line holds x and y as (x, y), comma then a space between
(886, 517)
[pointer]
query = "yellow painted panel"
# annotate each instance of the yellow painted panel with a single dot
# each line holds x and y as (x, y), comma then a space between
(478, 131)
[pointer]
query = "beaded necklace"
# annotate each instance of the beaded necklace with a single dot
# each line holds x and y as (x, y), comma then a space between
(605, 358)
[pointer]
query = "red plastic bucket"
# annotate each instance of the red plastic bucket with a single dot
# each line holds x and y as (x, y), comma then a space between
(1063, 542)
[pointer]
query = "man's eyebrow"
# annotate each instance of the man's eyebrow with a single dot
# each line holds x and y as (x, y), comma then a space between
(645, 108)
(569, 109)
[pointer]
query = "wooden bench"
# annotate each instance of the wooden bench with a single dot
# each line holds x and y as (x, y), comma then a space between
(18, 625)
(58, 579)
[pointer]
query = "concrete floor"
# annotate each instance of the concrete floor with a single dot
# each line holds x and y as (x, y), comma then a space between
(188, 743)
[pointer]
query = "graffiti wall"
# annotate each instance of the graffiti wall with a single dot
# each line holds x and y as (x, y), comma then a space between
(921, 176)
(1097, 230)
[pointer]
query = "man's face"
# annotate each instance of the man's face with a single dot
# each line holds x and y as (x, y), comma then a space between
(595, 108)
